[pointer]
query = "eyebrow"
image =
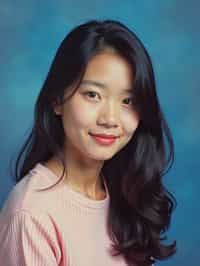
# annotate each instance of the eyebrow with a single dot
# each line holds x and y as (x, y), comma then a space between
(99, 84)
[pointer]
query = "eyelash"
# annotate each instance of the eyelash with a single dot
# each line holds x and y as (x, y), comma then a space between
(89, 92)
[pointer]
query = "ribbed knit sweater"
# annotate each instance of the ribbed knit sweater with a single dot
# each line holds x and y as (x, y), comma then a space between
(58, 226)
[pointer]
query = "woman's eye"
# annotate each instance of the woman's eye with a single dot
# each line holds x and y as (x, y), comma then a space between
(128, 101)
(91, 94)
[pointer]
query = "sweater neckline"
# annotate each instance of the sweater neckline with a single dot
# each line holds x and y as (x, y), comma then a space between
(73, 195)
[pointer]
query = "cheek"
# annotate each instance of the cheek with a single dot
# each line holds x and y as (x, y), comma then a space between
(130, 122)
(81, 115)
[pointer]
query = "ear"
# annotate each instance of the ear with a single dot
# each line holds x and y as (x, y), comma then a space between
(57, 108)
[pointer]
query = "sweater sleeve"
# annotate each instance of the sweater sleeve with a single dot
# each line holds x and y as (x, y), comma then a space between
(29, 239)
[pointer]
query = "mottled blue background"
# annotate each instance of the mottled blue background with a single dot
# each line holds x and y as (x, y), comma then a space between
(31, 31)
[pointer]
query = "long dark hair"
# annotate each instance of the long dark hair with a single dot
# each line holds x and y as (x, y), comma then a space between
(140, 206)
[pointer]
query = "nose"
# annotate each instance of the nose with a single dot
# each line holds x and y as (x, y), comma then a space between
(108, 115)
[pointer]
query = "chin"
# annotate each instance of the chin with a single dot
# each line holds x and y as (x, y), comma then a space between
(102, 157)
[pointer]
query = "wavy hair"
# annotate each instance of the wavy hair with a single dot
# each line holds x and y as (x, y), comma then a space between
(140, 206)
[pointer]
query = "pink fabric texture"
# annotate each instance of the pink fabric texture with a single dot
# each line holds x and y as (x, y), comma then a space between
(58, 226)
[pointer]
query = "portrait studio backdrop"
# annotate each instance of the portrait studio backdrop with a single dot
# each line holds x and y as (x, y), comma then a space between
(30, 34)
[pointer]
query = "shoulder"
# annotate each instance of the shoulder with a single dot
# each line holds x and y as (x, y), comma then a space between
(29, 232)
(27, 195)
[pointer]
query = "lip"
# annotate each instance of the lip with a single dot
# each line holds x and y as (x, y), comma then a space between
(105, 136)
(101, 139)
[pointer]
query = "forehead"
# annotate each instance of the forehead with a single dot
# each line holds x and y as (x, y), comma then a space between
(108, 68)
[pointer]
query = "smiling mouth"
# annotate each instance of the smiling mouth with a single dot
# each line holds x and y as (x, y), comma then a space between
(101, 139)
(106, 136)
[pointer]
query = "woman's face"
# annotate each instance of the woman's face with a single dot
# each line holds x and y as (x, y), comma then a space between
(101, 105)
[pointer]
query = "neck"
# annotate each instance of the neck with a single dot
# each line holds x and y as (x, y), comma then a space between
(81, 175)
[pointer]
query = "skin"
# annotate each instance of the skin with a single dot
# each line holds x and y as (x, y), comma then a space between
(98, 108)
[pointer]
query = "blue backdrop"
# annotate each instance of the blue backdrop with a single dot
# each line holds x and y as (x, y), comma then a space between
(30, 34)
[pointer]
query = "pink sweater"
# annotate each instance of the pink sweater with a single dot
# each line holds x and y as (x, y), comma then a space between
(53, 227)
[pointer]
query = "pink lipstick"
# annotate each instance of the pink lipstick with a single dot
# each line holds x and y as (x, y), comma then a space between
(104, 139)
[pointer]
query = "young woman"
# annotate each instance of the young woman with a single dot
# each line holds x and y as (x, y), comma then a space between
(89, 186)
